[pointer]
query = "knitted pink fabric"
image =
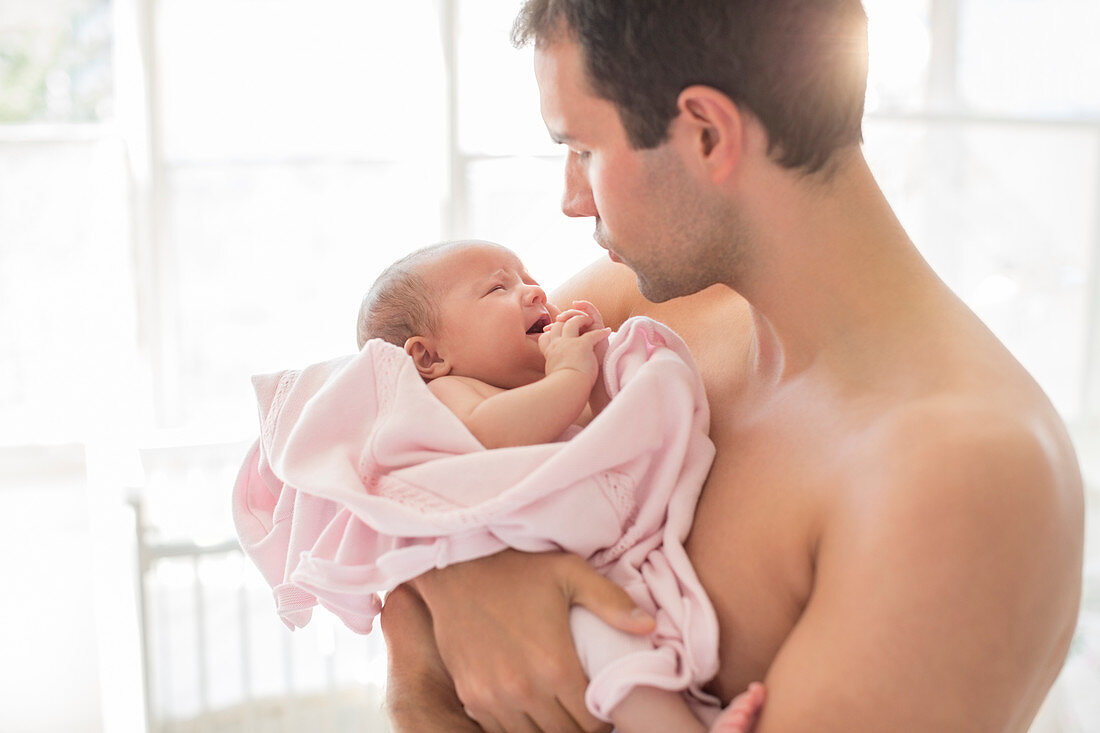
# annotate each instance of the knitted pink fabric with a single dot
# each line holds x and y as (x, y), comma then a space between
(362, 479)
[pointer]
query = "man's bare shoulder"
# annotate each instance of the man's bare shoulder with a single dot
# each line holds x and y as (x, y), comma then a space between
(966, 448)
(714, 322)
(947, 569)
(956, 492)
(608, 285)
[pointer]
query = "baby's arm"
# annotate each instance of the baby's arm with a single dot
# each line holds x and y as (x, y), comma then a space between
(536, 412)
(599, 398)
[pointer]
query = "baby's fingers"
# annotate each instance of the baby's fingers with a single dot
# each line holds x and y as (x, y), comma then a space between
(576, 324)
(594, 337)
(565, 315)
(591, 310)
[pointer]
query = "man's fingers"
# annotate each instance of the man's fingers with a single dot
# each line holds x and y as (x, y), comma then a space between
(520, 723)
(550, 717)
(487, 722)
(567, 711)
(605, 599)
(557, 718)
(514, 655)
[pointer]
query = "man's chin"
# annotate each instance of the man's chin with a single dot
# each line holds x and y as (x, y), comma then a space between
(653, 295)
(661, 294)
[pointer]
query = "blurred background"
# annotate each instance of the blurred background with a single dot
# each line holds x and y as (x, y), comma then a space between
(195, 191)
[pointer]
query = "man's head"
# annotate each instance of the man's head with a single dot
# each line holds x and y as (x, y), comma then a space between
(680, 115)
(798, 66)
(465, 308)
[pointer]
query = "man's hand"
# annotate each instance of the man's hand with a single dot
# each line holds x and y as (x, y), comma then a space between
(420, 695)
(502, 628)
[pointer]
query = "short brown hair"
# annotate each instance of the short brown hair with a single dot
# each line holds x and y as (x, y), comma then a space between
(799, 66)
(400, 305)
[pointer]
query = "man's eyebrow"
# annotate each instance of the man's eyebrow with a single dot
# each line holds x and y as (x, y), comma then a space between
(561, 138)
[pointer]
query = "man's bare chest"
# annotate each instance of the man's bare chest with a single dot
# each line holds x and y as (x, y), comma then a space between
(757, 521)
(754, 536)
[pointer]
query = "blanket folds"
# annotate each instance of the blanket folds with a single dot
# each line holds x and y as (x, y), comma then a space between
(361, 480)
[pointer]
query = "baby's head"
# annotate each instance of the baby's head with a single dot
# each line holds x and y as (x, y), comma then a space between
(400, 305)
(465, 308)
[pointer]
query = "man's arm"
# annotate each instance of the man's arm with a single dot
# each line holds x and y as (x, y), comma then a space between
(946, 589)
(501, 628)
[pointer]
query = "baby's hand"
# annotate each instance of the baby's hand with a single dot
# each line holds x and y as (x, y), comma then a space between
(570, 343)
(586, 308)
(583, 307)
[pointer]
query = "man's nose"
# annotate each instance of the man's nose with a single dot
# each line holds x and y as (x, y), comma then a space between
(577, 197)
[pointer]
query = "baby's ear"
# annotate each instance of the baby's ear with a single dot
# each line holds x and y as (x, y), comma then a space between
(426, 357)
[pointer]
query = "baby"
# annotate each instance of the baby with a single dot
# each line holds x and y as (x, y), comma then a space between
(516, 371)
(487, 342)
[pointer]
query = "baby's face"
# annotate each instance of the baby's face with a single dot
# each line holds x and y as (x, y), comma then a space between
(491, 314)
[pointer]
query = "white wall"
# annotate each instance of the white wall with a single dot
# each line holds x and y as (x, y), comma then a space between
(50, 676)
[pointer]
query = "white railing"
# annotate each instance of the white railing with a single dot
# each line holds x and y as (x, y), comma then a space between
(216, 658)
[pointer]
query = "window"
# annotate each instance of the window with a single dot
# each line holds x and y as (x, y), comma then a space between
(194, 191)
(55, 61)
(63, 277)
(296, 165)
(293, 151)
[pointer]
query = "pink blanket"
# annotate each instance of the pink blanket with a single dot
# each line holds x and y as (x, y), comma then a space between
(362, 479)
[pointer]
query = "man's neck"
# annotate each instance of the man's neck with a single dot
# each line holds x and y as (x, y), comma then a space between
(832, 271)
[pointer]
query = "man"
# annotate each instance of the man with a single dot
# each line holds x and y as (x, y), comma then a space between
(892, 530)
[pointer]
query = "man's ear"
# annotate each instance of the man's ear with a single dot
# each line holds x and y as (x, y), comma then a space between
(716, 129)
(426, 357)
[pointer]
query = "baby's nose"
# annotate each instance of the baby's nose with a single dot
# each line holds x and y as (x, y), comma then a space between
(535, 294)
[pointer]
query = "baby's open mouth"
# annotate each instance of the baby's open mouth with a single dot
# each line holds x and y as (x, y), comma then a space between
(539, 325)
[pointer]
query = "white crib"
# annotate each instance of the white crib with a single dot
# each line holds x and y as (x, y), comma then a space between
(217, 658)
